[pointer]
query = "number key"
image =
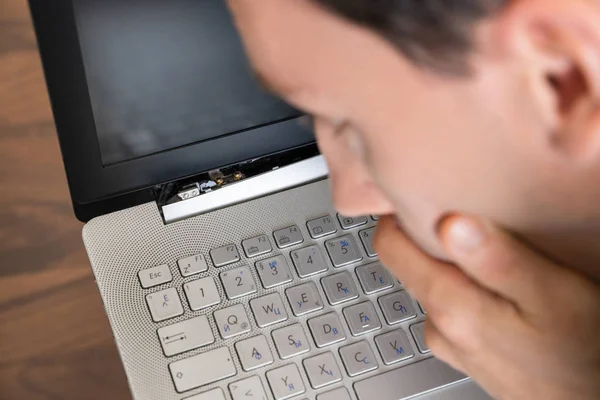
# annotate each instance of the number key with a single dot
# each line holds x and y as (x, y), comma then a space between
(308, 261)
(274, 271)
(238, 282)
(367, 237)
(343, 251)
(202, 293)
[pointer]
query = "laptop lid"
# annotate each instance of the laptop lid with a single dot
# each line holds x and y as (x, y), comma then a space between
(147, 92)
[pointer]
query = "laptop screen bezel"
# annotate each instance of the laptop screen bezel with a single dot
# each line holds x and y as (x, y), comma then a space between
(96, 189)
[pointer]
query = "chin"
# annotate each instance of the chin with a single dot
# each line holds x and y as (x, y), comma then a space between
(425, 239)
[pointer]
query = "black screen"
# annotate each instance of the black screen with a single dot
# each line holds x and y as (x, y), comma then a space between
(162, 74)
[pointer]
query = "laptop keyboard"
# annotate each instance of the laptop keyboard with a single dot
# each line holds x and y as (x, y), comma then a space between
(307, 341)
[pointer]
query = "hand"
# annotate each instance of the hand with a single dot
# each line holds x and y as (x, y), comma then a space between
(521, 326)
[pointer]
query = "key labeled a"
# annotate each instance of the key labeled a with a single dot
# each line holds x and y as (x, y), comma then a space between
(254, 352)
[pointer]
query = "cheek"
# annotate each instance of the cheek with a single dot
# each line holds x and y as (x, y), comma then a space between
(420, 189)
(418, 214)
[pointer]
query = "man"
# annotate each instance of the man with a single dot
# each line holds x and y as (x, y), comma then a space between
(433, 111)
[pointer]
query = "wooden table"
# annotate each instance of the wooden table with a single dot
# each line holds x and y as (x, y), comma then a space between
(55, 341)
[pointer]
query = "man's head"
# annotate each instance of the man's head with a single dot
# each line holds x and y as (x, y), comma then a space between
(426, 107)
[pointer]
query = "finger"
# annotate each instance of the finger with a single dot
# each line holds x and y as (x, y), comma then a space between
(457, 305)
(443, 349)
(500, 263)
(397, 252)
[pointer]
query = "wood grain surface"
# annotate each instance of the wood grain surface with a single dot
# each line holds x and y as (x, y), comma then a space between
(55, 341)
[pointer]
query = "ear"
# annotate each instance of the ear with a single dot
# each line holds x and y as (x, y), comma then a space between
(560, 39)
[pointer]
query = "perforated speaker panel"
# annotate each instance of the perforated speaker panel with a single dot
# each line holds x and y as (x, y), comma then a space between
(121, 244)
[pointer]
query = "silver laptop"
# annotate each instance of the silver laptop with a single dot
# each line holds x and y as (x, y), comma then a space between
(225, 271)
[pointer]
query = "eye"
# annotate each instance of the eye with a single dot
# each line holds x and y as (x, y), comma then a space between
(352, 138)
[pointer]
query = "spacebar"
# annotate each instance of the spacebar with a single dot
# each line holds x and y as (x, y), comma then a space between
(409, 381)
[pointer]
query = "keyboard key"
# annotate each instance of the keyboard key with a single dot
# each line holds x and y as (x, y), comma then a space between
(358, 358)
(232, 321)
(335, 394)
(248, 389)
(254, 353)
(362, 318)
(257, 245)
(322, 370)
(366, 238)
(374, 278)
(339, 288)
(309, 261)
(285, 382)
(423, 310)
(164, 304)
(375, 217)
(397, 307)
(155, 276)
(394, 347)
(290, 341)
(192, 265)
(185, 336)
(327, 329)
(304, 299)
(351, 222)
(287, 237)
(321, 227)
(418, 332)
(343, 251)
(409, 381)
(274, 271)
(202, 293)
(215, 394)
(225, 255)
(202, 369)
(268, 310)
(238, 282)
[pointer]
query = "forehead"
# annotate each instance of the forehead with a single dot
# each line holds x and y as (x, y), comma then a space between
(291, 35)
(302, 51)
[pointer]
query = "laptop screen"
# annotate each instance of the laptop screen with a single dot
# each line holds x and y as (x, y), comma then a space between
(166, 74)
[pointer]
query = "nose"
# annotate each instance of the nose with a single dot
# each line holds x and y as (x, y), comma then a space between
(354, 191)
(355, 196)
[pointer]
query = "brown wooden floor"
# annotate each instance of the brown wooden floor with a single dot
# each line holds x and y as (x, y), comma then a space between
(55, 341)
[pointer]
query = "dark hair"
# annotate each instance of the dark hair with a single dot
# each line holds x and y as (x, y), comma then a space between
(433, 33)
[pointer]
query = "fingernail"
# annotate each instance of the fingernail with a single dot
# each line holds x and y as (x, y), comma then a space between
(463, 235)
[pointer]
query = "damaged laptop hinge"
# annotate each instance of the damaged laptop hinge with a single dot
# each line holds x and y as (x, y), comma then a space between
(236, 184)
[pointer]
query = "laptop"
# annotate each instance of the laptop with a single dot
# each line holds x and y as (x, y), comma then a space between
(225, 271)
